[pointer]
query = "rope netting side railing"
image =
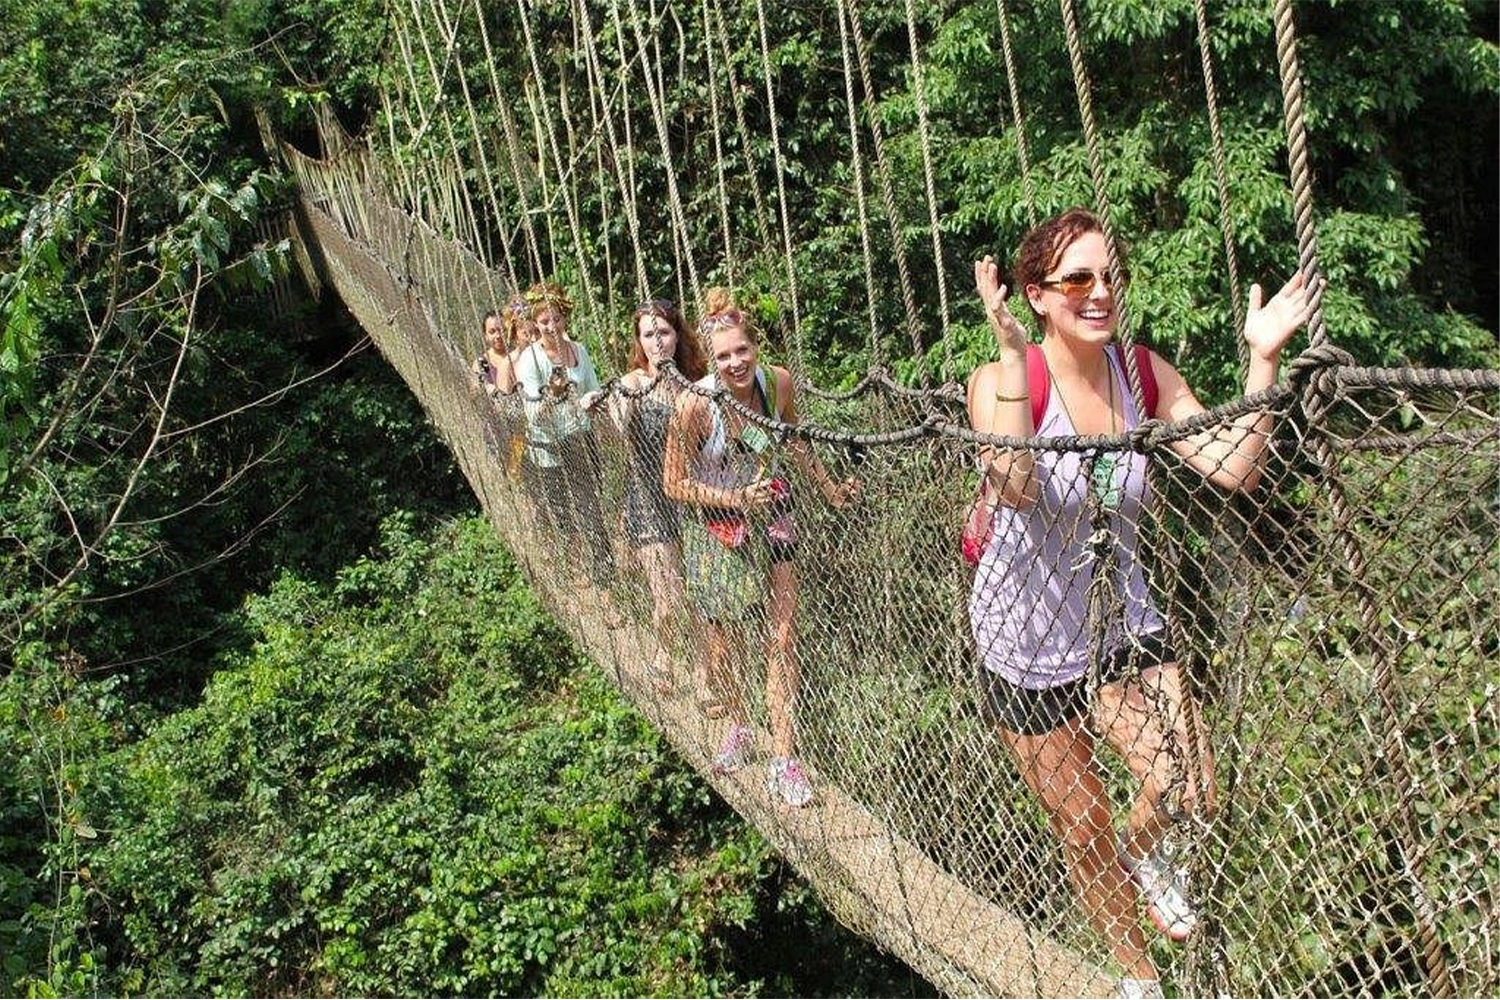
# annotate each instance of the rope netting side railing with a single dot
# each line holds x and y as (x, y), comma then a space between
(1303, 850)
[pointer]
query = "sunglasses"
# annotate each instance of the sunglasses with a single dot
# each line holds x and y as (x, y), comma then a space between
(657, 305)
(1079, 284)
(729, 317)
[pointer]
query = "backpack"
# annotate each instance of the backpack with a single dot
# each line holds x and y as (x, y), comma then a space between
(1040, 384)
(979, 526)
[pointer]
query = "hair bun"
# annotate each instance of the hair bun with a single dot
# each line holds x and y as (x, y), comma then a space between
(716, 300)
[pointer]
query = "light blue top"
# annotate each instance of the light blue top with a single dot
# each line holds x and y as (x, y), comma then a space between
(550, 420)
(1029, 605)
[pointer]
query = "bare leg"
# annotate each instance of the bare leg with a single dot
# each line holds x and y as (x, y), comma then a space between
(1059, 769)
(783, 678)
(1149, 721)
(662, 564)
(725, 681)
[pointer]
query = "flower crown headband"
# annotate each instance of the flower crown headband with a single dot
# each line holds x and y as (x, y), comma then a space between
(554, 297)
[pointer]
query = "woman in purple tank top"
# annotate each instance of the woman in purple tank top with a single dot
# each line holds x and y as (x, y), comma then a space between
(1029, 604)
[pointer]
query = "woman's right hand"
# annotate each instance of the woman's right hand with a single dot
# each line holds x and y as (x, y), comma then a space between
(1010, 336)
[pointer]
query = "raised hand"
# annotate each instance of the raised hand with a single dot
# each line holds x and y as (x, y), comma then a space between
(1010, 335)
(1268, 327)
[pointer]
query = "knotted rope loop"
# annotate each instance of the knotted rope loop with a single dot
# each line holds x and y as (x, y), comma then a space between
(1306, 370)
(1143, 434)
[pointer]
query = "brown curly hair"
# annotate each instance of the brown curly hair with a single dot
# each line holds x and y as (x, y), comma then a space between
(546, 295)
(687, 356)
(1043, 247)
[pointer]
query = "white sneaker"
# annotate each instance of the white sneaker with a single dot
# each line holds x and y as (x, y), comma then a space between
(734, 752)
(790, 782)
(1139, 989)
(1165, 892)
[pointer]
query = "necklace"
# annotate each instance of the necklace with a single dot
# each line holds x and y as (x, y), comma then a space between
(1103, 483)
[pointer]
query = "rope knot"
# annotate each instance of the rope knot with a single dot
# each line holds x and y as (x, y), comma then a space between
(1305, 366)
(1140, 435)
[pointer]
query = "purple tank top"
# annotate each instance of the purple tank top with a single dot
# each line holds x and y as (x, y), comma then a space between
(1029, 606)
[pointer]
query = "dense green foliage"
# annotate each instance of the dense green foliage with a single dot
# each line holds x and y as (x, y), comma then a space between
(409, 783)
(1395, 137)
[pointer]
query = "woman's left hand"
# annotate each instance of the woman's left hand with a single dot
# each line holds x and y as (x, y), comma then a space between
(840, 494)
(1268, 327)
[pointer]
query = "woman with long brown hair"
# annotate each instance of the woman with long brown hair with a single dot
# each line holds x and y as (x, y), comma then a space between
(653, 522)
(1051, 698)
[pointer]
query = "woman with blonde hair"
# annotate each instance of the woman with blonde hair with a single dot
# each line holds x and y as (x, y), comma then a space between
(558, 385)
(729, 468)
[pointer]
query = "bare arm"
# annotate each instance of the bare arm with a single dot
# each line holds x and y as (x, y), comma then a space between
(999, 397)
(837, 493)
(505, 376)
(1232, 455)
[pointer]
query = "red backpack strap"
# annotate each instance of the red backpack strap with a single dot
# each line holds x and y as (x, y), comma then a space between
(1038, 382)
(1149, 390)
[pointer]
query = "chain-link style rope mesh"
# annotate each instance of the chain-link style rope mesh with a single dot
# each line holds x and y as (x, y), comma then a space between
(1323, 762)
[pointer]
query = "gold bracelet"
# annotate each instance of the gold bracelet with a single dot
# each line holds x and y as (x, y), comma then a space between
(1002, 398)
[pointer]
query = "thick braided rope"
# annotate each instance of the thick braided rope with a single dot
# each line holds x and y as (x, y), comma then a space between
(1296, 147)
(925, 141)
(1316, 405)
(855, 158)
(737, 101)
(490, 295)
(461, 211)
(780, 164)
(512, 144)
(484, 160)
(850, 11)
(714, 124)
(674, 197)
(575, 227)
(1221, 178)
(627, 190)
(1023, 156)
(1101, 196)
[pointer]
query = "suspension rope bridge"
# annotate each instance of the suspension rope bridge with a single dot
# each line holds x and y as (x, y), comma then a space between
(1339, 623)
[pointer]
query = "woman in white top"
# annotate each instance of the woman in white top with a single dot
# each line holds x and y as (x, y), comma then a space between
(558, 385)
(728, 467)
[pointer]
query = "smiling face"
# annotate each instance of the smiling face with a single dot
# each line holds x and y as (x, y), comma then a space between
(734, 356)
(551, 324)
(658, 340)
(494, 334)
(1090, 316)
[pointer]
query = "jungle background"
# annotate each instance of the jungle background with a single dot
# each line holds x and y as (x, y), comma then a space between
(277, 713)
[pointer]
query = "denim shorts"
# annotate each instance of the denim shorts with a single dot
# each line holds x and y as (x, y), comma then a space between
(1035, 712)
